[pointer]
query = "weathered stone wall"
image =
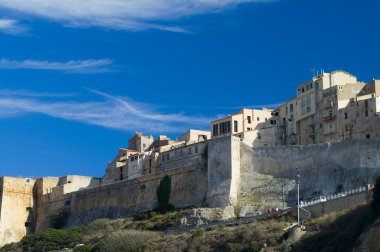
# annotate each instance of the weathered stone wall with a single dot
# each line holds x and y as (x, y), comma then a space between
(125, 198)
(268, 172)
(337, 204)
(16, 197)
(223, 171)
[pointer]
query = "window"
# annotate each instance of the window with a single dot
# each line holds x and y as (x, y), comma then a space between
(249, 119)
(258, 119)
(321, 125)
(163, 158)
(144, 145)
(366, 103)
(181, 153)
(167, 156)
(150, 163)
(235, 126)
(291, 108)
(215, 129)
(258, 136)
(189, 151)
(196, 148)
(273, 122)
(366, 113)
(368, 136)
(225, 127)
(345, 116)
(249, 129)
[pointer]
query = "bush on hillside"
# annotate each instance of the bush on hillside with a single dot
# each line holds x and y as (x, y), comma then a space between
(51, 239)
(126, 241)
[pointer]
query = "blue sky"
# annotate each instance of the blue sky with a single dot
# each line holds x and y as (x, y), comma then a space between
(77, 78)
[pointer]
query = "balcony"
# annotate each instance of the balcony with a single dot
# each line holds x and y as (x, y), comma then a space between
(329, 105)
(282, 124)
(310, 132)
(329, 118)
(311, 121)
(330, 131)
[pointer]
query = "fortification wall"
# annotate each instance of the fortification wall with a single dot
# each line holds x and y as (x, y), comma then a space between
(223, 171)
(125, 198)
(268, 173)
(16, 208)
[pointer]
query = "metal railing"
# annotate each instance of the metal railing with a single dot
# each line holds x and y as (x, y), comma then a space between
(336, 196)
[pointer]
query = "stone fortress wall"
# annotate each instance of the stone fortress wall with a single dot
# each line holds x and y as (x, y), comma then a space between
(224, 172)
(268, 174)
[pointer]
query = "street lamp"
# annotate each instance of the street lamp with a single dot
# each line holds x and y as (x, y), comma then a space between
(298, 198)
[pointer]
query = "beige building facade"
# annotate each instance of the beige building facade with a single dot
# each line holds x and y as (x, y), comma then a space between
(319, 112)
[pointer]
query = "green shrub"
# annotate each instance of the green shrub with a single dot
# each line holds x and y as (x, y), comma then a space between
(84, 248)
(98, 224)
(254, 247)
(376, 197)
(58, 217)
(51, 239)
(163, 196)
(197, 233)
(126, 241)
(9, 247)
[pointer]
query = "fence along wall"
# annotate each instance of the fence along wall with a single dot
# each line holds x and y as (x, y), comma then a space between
(324, 168)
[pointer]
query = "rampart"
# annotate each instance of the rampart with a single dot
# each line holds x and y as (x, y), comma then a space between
(222, 172)
(125, 198)
(268, 174)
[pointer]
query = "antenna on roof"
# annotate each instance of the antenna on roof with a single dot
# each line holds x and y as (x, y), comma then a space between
(314, 72)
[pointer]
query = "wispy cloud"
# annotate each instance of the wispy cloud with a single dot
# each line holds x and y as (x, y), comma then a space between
(113, 112)
(121, 14)
(27, 93)
(12, 27)
(72, 66)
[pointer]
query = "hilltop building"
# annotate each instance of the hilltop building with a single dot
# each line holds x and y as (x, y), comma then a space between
(331, 107)
(244, 162)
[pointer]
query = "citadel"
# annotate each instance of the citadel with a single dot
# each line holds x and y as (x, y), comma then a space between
(329, 134)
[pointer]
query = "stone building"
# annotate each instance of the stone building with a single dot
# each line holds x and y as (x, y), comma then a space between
(256, 127)
(140, 143)
(318, 113)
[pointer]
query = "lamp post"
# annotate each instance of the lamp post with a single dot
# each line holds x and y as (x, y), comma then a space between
(298, 198)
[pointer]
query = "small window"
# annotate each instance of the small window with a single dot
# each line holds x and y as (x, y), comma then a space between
(368, 136)
(258, 119)
(249, 119)
(189, 151)
(345, 116)
(366, 113)
(163, 158)
(235, 126)
(321, 125)
(196, 148)
(167, 156)
(258, 136)
(67, 203)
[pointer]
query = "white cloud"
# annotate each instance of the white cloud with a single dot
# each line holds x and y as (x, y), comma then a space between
(11, 26)
(113, 112)
(120, 14)
(72, 66)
